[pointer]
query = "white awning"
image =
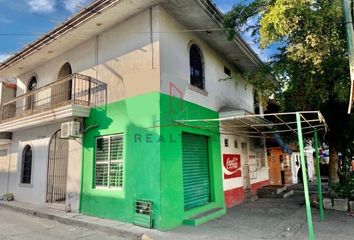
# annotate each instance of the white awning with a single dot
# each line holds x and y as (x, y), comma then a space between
(242, 123)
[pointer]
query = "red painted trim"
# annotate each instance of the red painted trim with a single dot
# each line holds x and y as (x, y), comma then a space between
(10, 85)
(237, 195)
(234, 196)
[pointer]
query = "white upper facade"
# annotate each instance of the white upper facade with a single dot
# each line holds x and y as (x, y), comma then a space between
(137, 47)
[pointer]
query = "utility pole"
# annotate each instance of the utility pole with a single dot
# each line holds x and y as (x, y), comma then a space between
(348, 23)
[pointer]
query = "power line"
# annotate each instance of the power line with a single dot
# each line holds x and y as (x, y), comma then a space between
(207, 30)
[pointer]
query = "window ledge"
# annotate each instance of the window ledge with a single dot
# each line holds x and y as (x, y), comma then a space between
(198, 90)
(25, 185)
(116, 189)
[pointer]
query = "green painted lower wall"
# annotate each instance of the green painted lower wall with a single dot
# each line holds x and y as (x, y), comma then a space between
(152, 159)
(133, 117)
(172, 199)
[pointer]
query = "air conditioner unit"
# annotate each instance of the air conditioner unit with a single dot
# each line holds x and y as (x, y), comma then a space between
(70, 130)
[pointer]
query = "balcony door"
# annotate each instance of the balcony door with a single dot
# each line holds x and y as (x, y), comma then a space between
(61, 93)
(30, 100)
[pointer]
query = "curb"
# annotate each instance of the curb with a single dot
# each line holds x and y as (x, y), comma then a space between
(75, 222)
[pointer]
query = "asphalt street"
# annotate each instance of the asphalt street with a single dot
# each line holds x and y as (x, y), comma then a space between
(16, 226)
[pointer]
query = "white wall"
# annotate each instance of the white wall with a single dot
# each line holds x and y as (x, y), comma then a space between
(38, 139)
(174, 56)
(125, 56)
(73, 186)
(261, 173)
(4, 168)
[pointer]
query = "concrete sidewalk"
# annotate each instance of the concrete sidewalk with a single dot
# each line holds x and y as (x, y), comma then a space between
(272, 219)
(262, 219)
(56, 213)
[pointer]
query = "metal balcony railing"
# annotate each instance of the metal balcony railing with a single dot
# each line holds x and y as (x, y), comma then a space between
(74, 89)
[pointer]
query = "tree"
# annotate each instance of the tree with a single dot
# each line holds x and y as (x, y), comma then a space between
(310, 61)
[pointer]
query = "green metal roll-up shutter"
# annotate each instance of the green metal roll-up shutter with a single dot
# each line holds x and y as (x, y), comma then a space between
(196, 177)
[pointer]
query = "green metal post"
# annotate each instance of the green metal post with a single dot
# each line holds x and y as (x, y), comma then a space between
(319, 185)
(304, 177)
(347, 13)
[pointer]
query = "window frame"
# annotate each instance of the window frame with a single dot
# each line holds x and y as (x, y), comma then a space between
(201, 55)
(109, 163)
(27, 146)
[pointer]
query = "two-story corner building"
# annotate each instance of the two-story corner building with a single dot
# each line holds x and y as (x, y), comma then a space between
(126, 71)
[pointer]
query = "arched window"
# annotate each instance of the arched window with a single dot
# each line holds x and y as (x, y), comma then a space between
(32, 84)
(65, 70)
(196, 66)
(26, 171)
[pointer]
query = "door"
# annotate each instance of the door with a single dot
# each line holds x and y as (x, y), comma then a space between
(274, 168)
(295, 165)
(245, 167)
(30, 100)
(196, 171)
(57, 168)
(62, 92)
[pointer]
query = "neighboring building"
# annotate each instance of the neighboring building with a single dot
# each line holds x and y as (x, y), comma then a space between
(125, 71)
(275, 155)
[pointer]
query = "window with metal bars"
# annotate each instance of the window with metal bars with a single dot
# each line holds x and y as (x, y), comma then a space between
(109, 161)
(26, 172)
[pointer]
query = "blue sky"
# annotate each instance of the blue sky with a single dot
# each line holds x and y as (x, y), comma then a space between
(23, 21)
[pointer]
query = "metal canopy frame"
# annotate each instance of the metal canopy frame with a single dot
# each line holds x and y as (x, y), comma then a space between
(264, 125)
(267, 125)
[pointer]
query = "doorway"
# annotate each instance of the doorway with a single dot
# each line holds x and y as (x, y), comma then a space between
(246, 166)
(274, 165)
(30, 100)
(62, 92)
(57, 169)
(196, 171)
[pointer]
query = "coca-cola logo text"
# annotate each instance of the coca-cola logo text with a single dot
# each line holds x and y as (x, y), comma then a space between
(232, 165)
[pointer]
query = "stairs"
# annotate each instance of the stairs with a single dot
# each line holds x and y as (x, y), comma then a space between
(205, 217)
(299, 189)
(274, 191)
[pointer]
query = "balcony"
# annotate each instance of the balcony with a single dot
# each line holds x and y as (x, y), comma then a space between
(69, 97)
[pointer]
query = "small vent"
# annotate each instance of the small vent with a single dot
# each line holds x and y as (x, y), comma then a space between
(226, 142)
(236, 144)
(143, 215)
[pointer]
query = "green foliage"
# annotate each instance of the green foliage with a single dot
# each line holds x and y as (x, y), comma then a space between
(311, 30)
(311, 62)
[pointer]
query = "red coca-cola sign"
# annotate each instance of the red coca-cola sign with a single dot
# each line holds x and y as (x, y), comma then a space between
(232, 165)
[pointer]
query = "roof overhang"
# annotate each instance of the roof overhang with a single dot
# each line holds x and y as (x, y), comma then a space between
(101, 15)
